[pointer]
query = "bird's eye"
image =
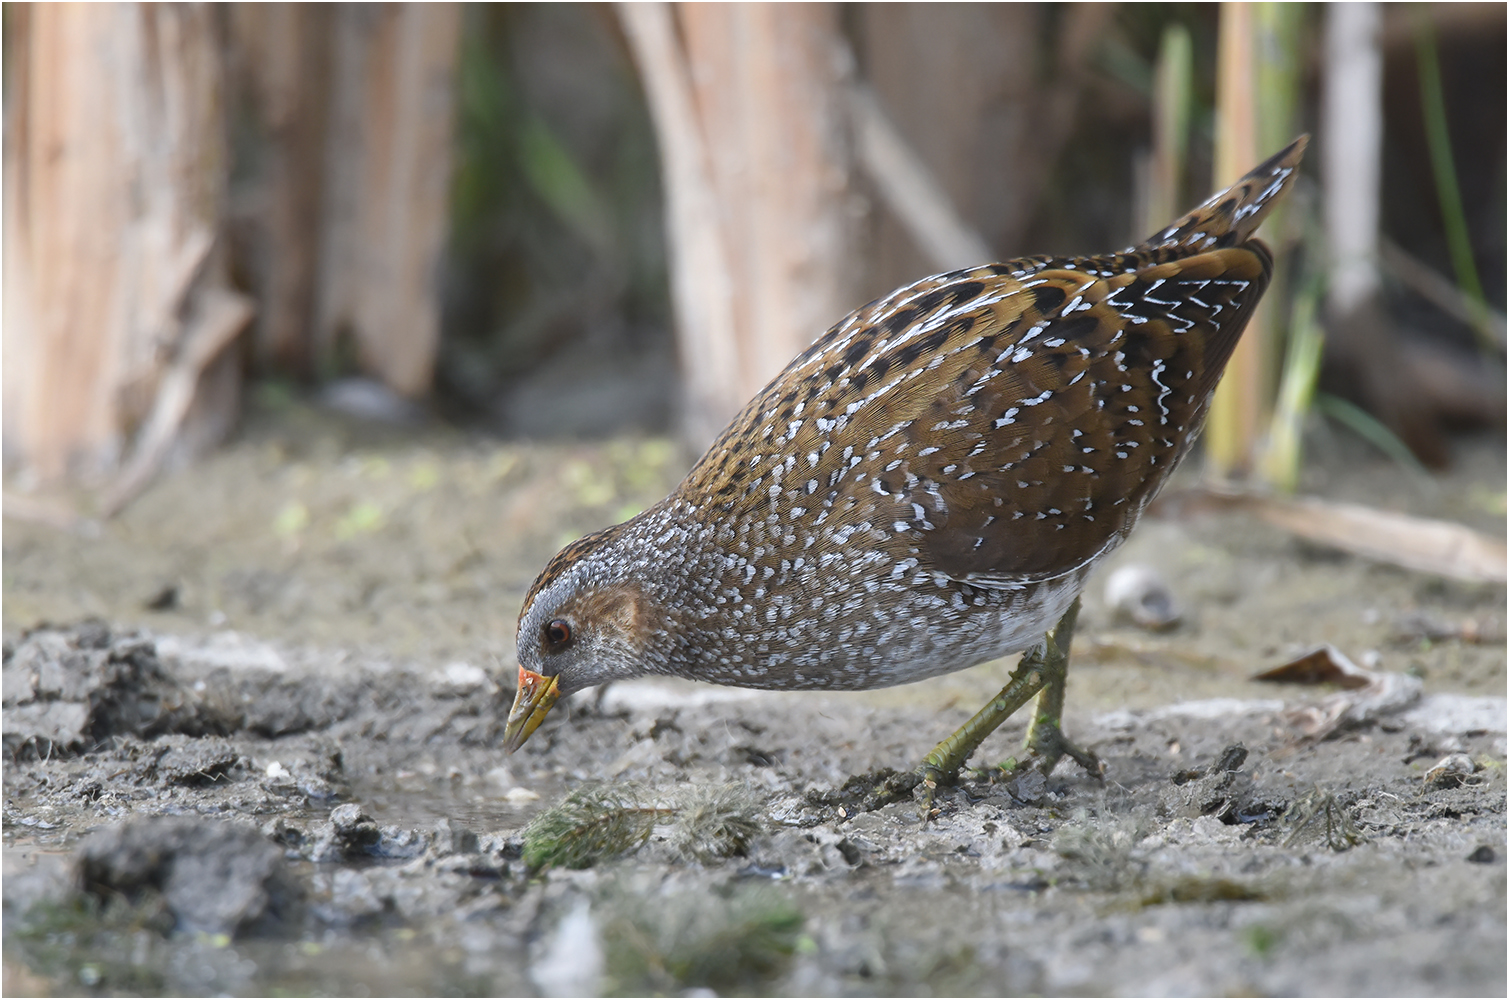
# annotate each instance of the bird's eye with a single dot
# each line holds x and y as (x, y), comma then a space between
(558, 632)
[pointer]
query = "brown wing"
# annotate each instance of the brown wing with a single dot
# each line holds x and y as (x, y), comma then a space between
(1046, 443)
(1001, 424)
(1005, 423)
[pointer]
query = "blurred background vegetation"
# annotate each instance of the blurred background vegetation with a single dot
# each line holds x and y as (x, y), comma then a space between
(556, 259)
(469, 213)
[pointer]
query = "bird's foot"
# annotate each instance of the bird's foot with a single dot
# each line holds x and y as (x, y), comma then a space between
(929, 776)
(886, 787)
(1047, 745)
(924, 779)
(864, 792)
(897, 785)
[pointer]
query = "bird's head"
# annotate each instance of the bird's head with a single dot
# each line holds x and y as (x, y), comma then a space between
(584, 622)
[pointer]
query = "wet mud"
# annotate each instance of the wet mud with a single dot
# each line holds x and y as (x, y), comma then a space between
(253, 727)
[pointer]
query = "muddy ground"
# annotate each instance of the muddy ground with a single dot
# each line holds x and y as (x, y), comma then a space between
(252, 736)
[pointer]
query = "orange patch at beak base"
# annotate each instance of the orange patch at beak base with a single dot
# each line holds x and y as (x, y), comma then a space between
(536, 694)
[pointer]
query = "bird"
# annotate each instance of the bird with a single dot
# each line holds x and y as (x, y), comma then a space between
(927, 487)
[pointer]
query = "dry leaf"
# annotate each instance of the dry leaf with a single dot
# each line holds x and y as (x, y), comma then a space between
(1366, 695)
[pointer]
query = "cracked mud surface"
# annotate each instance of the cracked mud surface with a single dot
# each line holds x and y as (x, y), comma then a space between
(271, 763)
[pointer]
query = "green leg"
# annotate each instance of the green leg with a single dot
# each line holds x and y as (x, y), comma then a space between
(1042, 672)
(1045, 738)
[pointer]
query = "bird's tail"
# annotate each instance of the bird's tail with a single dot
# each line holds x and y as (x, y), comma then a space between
(1232, 216)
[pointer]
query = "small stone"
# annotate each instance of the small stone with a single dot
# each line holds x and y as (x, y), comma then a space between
(1029, 788)
(346, 816)
(280, 831)
(350, 833)
(1451, 771)
(399, 842)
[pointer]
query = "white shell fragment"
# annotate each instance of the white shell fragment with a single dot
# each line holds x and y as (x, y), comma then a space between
(1139, 594)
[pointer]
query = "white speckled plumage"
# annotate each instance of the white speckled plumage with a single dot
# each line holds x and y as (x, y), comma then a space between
(929, 485)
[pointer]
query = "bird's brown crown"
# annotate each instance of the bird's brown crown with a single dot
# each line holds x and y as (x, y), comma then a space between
(564, 560)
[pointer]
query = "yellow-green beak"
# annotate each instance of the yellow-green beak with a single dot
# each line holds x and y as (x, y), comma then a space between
(536, 694)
